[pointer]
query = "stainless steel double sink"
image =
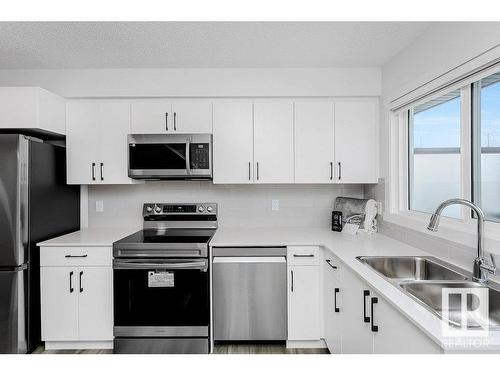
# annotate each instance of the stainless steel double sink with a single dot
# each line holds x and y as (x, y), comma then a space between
(424, 277)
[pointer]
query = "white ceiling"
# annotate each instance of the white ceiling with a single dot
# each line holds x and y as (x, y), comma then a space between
(40, 45)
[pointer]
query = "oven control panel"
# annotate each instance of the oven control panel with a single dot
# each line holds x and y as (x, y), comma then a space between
(151, 209)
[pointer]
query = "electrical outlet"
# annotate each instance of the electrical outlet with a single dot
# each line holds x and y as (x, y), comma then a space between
(275, 205)
(99, 206)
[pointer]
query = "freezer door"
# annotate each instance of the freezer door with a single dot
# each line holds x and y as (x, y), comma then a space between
(13, 200)
(13, 311)
(249, 298)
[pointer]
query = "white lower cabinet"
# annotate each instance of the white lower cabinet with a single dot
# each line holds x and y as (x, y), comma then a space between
(303, 294)
(76, 299)
(59, 304)
(358, 320)
(333, 305)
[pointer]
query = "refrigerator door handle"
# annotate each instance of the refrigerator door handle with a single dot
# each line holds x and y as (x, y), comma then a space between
(22, 267)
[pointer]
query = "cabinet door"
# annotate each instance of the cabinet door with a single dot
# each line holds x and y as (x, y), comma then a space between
(314, 142)
(233, 143)
(151, 117)
(355, 141)
(59, 303)
(192, 117)
(357, 335)
(83, 142)
(273, 142)
(114, 120)
(303, 303)
(332, 309)
(95, 290)
(396, 334)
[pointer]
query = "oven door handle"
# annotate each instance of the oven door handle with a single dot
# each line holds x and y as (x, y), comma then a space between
(128, 265)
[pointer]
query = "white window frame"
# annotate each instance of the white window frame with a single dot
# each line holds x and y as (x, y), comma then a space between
(461, 230)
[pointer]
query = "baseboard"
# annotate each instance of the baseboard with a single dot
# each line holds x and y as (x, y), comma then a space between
(61, 345)
(305, 344)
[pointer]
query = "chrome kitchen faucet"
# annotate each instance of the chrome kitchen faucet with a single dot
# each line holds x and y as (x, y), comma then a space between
(480, 268)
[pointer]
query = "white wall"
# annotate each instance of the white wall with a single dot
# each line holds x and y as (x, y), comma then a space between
(442, 47)
(199, 82)
(239, 205)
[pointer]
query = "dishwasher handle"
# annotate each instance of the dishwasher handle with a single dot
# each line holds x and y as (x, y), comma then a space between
(249, 260)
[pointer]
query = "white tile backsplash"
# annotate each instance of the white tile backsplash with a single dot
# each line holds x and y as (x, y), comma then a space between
(239, 205)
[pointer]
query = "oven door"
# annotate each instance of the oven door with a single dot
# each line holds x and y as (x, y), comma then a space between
(170, 156)
(161, 298)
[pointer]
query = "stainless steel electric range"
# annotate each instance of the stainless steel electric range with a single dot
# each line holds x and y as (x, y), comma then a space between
(161, 282)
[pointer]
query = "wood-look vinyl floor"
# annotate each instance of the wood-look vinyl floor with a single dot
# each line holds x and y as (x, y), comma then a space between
(264, 349)
(41, 350)
(219, 349)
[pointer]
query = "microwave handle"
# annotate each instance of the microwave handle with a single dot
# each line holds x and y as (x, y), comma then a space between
(188, 150)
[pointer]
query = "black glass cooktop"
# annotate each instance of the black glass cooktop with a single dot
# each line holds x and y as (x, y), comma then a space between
(169, 236)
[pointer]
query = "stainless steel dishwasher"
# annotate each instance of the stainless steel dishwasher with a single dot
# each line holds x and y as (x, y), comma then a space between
(249, 294)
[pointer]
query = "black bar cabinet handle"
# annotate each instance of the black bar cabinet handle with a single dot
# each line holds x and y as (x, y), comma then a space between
(335, 300)
(292, 279)
(330, 264)
(340, 171)
(366, 293)
(102, 167)
(71, 282)
(166, 121)
(76, 256)
(93, 171)
(331, 170)
(374, 327)
(81, 288)
(175, 121)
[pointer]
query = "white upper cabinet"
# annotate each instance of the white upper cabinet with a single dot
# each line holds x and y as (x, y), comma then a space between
(192, 117)
(233, 143)
(356, 153)
(32, 108)
(273, 142)
(151, 117)
(160, 116)
(314, 132)
(97, 141)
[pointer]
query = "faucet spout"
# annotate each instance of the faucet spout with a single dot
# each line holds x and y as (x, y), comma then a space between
(480, 267)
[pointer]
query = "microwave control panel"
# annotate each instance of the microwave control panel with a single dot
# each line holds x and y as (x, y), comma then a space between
(199, 156)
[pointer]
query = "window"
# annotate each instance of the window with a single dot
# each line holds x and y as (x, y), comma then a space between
(486, 145)
(435, 154)
(441, 165)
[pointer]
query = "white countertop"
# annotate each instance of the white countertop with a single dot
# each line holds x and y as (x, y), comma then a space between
(346, 247)
(90, 237)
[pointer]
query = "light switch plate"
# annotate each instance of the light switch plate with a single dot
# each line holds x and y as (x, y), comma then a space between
(99, 206)
(275, 205)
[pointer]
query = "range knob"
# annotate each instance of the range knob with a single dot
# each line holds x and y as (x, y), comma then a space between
(201, 209)
(210, 209)
(149, 209)
(157, 209)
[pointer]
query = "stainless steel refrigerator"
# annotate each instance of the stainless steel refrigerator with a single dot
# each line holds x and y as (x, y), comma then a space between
(35, 204)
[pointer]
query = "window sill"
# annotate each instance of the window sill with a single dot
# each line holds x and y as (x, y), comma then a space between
(454, 230)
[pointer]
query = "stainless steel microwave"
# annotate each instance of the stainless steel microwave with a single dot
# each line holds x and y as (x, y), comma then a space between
(170, 156)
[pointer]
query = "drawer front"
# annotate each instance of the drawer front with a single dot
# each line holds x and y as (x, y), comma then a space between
(303, 255)
(76, 256)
